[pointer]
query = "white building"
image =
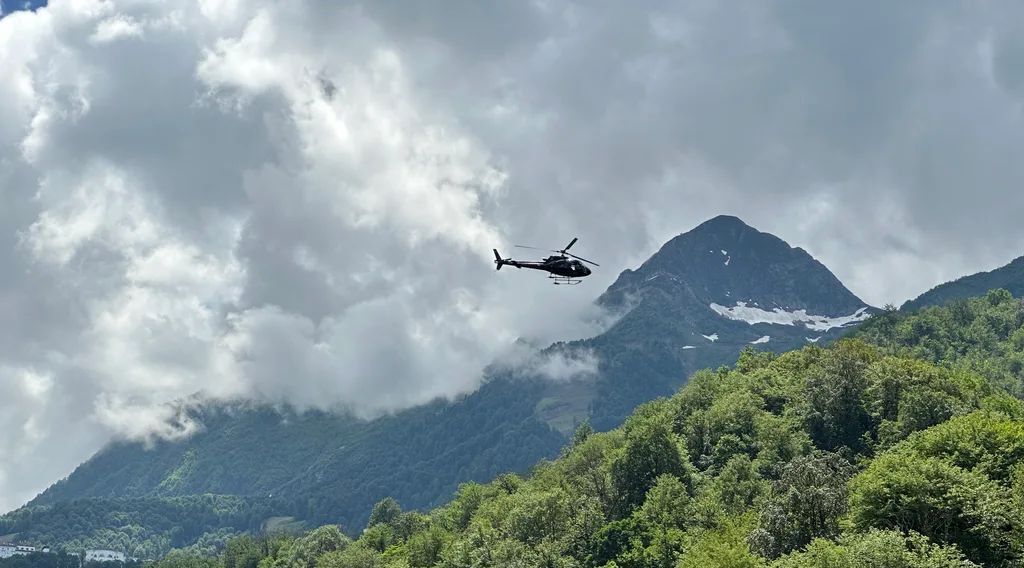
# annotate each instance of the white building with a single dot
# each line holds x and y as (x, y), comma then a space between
(9, 550)
(104, 556)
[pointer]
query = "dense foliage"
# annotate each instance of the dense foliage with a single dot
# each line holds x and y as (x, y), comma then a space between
(984, 334)
(44, 560)
(62, 559)
(822, 457)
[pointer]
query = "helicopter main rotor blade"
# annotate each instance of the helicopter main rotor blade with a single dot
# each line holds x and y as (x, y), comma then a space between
(569, 246)
(583, 259)
(534, 248)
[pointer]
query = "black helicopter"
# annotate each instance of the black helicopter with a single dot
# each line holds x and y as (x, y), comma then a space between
(560, 268)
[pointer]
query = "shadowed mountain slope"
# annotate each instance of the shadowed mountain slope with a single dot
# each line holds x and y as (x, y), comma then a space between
(694, 304)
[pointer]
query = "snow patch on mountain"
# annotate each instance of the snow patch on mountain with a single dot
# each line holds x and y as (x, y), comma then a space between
(688, 347)
(712, 338)
(661, 274)
(813, 339)
(742, 312)
(762, 339)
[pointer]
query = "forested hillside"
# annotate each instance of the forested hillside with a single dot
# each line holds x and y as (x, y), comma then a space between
(850, 455)
(326, 467)
(1009, 277)
(982, 334)
(696, 303)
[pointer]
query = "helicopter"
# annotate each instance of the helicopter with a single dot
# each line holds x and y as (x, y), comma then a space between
(561, 270)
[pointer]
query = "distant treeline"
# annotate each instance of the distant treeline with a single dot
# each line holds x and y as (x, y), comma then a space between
(60, 560)
(144, 528)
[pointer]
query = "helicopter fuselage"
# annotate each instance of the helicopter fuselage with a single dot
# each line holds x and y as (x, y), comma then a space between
(558, 265)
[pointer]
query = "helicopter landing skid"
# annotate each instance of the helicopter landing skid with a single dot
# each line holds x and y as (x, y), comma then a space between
(565, 280)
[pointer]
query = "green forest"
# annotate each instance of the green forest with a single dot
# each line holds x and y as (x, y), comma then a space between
(61, 559)
(898, 446)
(983, 335)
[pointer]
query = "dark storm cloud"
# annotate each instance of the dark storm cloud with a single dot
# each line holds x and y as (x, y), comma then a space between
(299, 199)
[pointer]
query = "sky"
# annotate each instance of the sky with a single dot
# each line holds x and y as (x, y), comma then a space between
(9, 6)
(295, 202)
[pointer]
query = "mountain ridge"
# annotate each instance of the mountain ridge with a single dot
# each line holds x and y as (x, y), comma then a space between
(730, 231)
(672, 295)
(335, 468)
(1009, 277)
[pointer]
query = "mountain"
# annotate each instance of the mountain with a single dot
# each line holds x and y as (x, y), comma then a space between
(702, 298)
(330, 468)
(1009, 277)
(855, 455)
(696, 303)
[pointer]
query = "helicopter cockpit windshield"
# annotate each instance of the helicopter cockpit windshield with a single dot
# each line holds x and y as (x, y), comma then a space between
(578, 268)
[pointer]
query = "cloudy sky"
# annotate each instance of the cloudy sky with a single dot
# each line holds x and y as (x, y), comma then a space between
(296, 200)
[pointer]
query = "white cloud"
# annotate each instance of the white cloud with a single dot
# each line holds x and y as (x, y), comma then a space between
(115, 28)
(258, 218)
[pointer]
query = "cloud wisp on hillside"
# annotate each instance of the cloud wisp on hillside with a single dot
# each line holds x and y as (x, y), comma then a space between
(295, 202)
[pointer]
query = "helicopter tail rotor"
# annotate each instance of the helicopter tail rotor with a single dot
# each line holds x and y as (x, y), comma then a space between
(498, 260)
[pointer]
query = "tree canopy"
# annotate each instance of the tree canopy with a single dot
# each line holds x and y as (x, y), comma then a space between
(899, 446)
